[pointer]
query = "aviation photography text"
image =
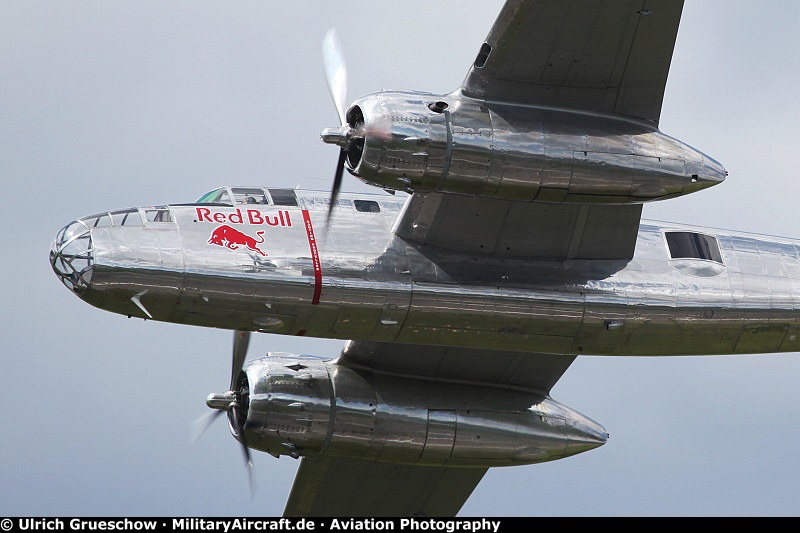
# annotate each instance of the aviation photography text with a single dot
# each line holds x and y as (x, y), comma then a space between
(227, 525)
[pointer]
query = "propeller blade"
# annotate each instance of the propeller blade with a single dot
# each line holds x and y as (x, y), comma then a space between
(201, 425)
(230, 402)
(241, 340)
(335, 73)
(337, 181)
(248, 461)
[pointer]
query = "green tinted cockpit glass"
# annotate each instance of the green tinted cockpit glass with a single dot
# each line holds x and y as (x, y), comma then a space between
(217, 196)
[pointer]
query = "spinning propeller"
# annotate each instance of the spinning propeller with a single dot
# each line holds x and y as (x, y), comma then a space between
(350, 133)
(234, 402)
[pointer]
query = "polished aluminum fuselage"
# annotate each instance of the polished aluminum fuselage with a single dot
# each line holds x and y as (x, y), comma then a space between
(354, 279)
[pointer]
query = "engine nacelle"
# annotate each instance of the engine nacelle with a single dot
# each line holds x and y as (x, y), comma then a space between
(418, 142)
(305, 407)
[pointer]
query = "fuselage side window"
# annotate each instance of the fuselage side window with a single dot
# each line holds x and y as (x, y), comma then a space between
(686, 245)
(367, 206)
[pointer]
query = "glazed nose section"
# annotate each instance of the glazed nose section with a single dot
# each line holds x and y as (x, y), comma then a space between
(72, 256)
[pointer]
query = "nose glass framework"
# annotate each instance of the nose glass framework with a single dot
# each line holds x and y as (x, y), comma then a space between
(72, 256)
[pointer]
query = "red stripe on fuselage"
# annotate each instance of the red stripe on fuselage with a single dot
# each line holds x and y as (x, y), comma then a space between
(312, 244)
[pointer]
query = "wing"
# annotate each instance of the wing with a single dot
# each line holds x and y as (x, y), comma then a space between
(610, 56)
(502, 228)
(331, 486)
(521, 370)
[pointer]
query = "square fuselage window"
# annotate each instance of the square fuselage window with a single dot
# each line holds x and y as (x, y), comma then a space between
(687, 245)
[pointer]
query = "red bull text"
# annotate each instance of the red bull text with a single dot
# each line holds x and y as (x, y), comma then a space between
(252, 217)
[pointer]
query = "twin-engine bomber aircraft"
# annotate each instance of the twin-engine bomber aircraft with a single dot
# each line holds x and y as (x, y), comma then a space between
(519, 248)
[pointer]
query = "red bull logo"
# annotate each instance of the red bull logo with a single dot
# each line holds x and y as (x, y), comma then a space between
(234, 239)
(252, 217)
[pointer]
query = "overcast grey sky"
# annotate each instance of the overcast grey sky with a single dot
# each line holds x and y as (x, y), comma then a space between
(106, 105)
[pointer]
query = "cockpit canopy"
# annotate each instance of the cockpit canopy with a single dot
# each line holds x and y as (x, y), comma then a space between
(249, 195)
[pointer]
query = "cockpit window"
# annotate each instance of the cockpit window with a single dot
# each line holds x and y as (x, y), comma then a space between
(217, 196)
(249, 195)
(283, 196)
(158, 214)
(685, 245)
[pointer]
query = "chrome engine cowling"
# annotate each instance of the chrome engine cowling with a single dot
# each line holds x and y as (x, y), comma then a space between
(300, 406)
(417, 142)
